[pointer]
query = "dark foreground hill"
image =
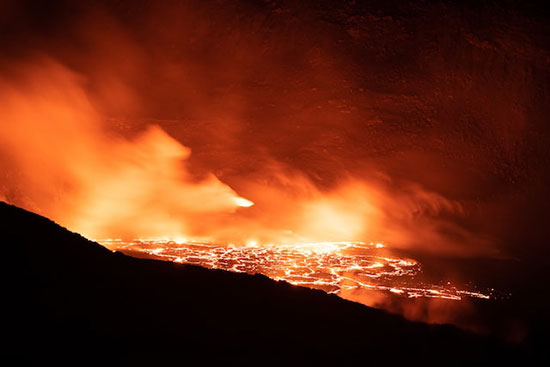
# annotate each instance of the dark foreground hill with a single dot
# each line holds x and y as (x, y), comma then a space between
(69, 300)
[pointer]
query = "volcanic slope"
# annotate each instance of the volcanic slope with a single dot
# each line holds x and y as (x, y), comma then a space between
(70, 300)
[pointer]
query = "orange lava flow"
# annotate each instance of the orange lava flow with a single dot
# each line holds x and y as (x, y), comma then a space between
(333, 267)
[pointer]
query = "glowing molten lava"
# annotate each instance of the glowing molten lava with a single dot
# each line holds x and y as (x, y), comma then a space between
(335, 267)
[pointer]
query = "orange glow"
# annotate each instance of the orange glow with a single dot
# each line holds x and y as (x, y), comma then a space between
(96, 183)
(342, 268)
(64, 156)
(213, 148)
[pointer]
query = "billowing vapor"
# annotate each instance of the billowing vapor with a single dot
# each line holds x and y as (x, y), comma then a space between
(289, 208)
(175, 130)
(60, 161)
(63, 162)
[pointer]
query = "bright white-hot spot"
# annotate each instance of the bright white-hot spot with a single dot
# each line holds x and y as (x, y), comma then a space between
(252, 243)
(242, 202)
(180, 240)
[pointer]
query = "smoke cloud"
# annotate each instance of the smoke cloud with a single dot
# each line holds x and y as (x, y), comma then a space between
(62, 161)
(142, 120)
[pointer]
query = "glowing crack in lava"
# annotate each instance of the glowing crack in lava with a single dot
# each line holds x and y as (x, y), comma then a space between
(330, 266)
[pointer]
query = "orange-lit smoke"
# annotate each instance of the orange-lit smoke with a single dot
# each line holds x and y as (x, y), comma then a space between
(290, 208)
(263, 117)
(431, 310)
(60, 161)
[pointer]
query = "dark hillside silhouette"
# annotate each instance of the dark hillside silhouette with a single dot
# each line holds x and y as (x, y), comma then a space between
(70, 300)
